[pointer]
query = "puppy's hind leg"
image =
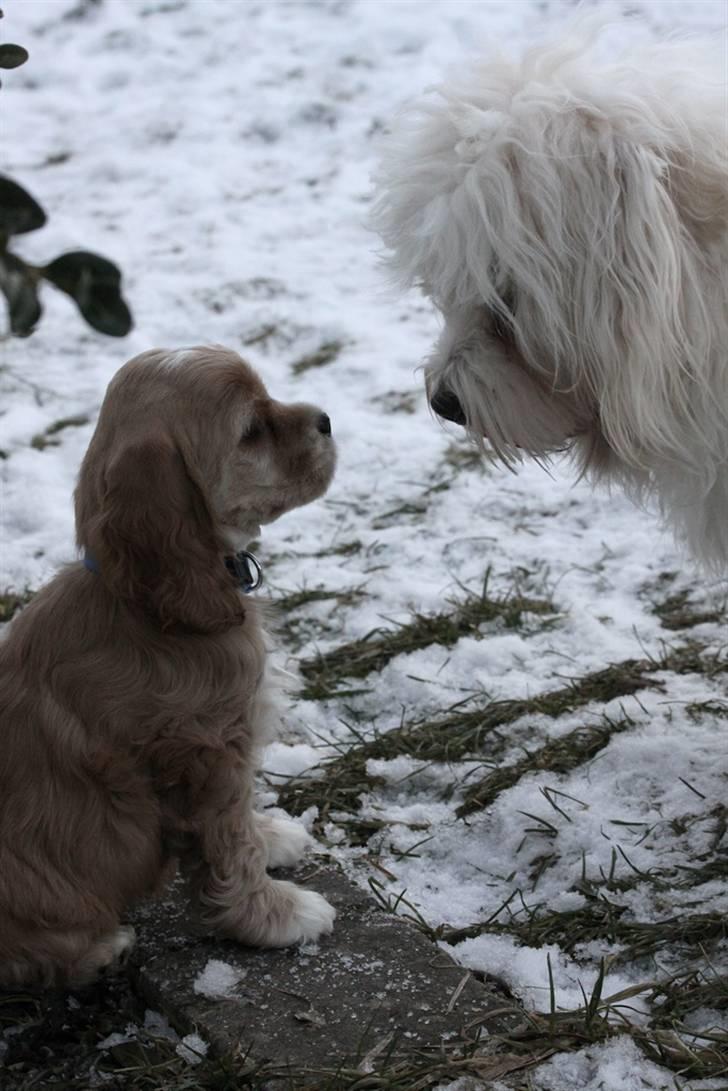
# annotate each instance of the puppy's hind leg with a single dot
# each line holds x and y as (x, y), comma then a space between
(104, 955)
(64, 958)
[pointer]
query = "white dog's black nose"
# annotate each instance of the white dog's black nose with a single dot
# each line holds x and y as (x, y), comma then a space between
(446, 405)
(324, 424)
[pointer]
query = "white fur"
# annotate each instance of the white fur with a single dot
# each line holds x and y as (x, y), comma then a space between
(109, 952)
(285, 840)
(122, 942)
(173, 358)
(311, 918)
(569, 218)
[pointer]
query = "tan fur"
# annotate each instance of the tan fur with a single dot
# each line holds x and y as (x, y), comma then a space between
(132, 701)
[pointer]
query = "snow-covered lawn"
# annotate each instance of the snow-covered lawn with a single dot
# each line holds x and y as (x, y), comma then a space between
(536, 812)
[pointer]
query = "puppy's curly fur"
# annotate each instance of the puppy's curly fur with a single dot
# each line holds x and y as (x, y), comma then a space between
(569, 218)
(133, 700)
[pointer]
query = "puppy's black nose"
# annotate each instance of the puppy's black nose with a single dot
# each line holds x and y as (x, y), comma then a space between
(446, 405)
(324, 425)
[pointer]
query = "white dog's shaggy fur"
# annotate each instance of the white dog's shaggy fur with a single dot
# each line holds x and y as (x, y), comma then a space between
(569, 218)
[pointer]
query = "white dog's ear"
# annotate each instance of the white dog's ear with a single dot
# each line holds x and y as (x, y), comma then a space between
(648, 330)
(700, 192)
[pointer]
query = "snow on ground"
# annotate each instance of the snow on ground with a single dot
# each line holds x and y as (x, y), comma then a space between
(220, 152)
(217, 979)
(191, 1048)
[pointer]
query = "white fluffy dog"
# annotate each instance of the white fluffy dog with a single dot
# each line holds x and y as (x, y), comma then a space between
(569, 218)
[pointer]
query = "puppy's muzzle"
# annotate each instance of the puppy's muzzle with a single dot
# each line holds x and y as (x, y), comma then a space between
(447, 405)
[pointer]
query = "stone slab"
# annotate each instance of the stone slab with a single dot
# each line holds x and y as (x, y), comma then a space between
(376, 987)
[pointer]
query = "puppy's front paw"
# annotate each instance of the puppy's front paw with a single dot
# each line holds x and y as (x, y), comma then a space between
(312, 917)
(279, 915)
(285, 841)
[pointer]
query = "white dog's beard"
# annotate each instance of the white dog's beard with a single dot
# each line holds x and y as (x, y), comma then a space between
(500, 400)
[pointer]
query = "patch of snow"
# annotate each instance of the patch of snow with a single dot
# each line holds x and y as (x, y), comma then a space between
(193, 1049)
(617, 1065)
(158, 1025)
(155, 1024)
(119, 1038)
(525, 971)
(217, 980)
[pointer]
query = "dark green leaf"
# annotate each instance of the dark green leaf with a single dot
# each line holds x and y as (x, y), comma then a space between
(95, 284)
(18, 285)
(19, 212)
(12, 56)
(76, 269)
(107, 312)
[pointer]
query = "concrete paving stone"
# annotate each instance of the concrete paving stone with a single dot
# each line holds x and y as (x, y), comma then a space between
(376, 987)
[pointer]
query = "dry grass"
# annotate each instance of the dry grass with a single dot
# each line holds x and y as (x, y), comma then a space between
(50, 437)
(324, 355)
(12, 601)
(338, 782)
(678, 612)
(325, 673)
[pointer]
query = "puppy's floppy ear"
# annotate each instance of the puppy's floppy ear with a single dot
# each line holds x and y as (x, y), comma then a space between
(154, 542)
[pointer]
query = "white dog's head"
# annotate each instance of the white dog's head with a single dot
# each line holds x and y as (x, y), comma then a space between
(568, 219)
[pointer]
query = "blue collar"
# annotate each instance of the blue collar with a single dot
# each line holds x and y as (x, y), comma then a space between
(91, 563)
(244, 566)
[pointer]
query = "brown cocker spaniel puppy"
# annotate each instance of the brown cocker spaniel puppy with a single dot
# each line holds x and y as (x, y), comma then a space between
(133, 698)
